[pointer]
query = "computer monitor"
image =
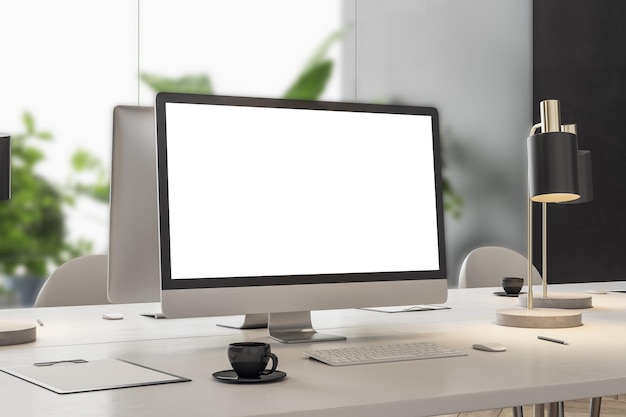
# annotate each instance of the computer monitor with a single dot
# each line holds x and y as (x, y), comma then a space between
(284, 206)
(133, 274)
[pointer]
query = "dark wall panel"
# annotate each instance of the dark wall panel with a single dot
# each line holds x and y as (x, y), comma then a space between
(579, 49)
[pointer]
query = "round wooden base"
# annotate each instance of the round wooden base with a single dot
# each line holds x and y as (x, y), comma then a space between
(538, 318)
(564, 300)
(15, 332)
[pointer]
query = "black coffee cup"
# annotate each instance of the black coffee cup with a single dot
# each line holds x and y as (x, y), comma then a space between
(249, 359)
(512, 285)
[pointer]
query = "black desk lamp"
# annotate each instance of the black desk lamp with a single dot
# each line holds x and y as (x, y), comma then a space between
(11, 333)
(579, 181)
(553, 177)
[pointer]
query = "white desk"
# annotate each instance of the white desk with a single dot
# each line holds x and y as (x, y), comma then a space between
(531, 371)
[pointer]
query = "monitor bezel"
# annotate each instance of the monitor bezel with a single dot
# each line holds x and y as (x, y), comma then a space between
(167, 283)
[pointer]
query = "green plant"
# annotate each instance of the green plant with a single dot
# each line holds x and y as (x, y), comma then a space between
(32, 222)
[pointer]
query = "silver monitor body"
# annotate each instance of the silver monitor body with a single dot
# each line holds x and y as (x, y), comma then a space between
(133, 274)
(283, 207)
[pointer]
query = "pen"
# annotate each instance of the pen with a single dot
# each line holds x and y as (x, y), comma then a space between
(549, 339)
(58, 362)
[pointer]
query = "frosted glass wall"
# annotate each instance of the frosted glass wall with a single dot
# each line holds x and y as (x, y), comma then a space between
(473, 61)
(67, 63)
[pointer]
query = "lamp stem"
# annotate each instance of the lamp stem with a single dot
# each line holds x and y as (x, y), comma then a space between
(544, 248)
(529, 299)
(550, 113)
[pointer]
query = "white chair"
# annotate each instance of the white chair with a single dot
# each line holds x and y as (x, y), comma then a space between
(487, 265)
(80, 281)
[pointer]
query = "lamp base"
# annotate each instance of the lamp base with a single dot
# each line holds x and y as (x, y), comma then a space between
(564, 300)
(538, 318)
(15, 333)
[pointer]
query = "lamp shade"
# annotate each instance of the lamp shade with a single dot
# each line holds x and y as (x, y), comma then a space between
(5, 167)
(585, 183)
(553, 167)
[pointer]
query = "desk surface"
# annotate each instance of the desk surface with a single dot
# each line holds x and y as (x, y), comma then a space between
(530, 371)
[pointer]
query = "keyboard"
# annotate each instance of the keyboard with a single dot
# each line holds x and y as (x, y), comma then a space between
(359, 355)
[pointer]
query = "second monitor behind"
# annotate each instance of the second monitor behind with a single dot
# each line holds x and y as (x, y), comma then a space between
(133, 269)
(133, 230)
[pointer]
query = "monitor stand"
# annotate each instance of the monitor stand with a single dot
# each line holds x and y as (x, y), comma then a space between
(292, 327)
(250, 321)
(296, 327)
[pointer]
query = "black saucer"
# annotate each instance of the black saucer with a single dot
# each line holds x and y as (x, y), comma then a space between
(230, 377)
(503, 294)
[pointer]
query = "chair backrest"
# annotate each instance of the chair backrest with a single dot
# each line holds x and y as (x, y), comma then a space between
(487, 265)
(80, 281)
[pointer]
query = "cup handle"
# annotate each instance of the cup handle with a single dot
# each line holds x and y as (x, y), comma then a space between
(274, 359)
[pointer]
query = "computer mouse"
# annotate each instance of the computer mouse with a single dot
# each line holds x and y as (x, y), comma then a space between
(490, 347)
(113, 316)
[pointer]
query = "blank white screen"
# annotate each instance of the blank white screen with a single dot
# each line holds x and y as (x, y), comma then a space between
(273, 192)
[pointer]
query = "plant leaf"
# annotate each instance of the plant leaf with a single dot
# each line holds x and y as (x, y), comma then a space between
(197, 84)
(452, 202)
(311, 84)
(99, 192)
(45, 135)
(30, 156)
(319, 55)
(29, 123)
(83, 160)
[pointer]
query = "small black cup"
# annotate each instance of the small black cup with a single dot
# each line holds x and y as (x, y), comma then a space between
(512, 285)
(249, 359)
